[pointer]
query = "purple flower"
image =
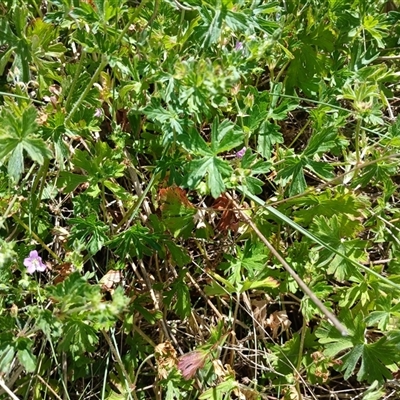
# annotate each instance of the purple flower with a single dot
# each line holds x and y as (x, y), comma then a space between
(34, 262)
(239, 46)
(241, 153)
(98, 113)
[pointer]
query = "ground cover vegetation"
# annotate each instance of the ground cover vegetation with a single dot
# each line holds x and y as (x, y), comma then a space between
(199, 199)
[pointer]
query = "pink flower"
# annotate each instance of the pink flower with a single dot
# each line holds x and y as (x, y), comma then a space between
(241, 153)
(239, 46)
(191, 362)
(34, 262)
(98, 113)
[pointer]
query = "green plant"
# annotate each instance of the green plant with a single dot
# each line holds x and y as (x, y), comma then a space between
(198, 199)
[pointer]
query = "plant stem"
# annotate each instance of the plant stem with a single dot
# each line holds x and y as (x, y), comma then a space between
(36, 237)
(42, 173)
(104, 203)
(114, 351)
(131, 19)
(357, 143)
(131, 213)
(75, 80)
(95, 77)
(301, 348)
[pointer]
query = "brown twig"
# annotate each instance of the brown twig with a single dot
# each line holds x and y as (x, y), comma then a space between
(49, 387)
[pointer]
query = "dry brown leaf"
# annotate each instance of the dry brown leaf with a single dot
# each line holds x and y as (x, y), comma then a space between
(199, 218)
(42, 118)
(260, 310)
(59, 233)
(245, 393)
(229, 219)
(63, 270)
(173, 193)
(14, 311)
(278, 320)
(166, 358)
(222, 371)
(110, 279)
